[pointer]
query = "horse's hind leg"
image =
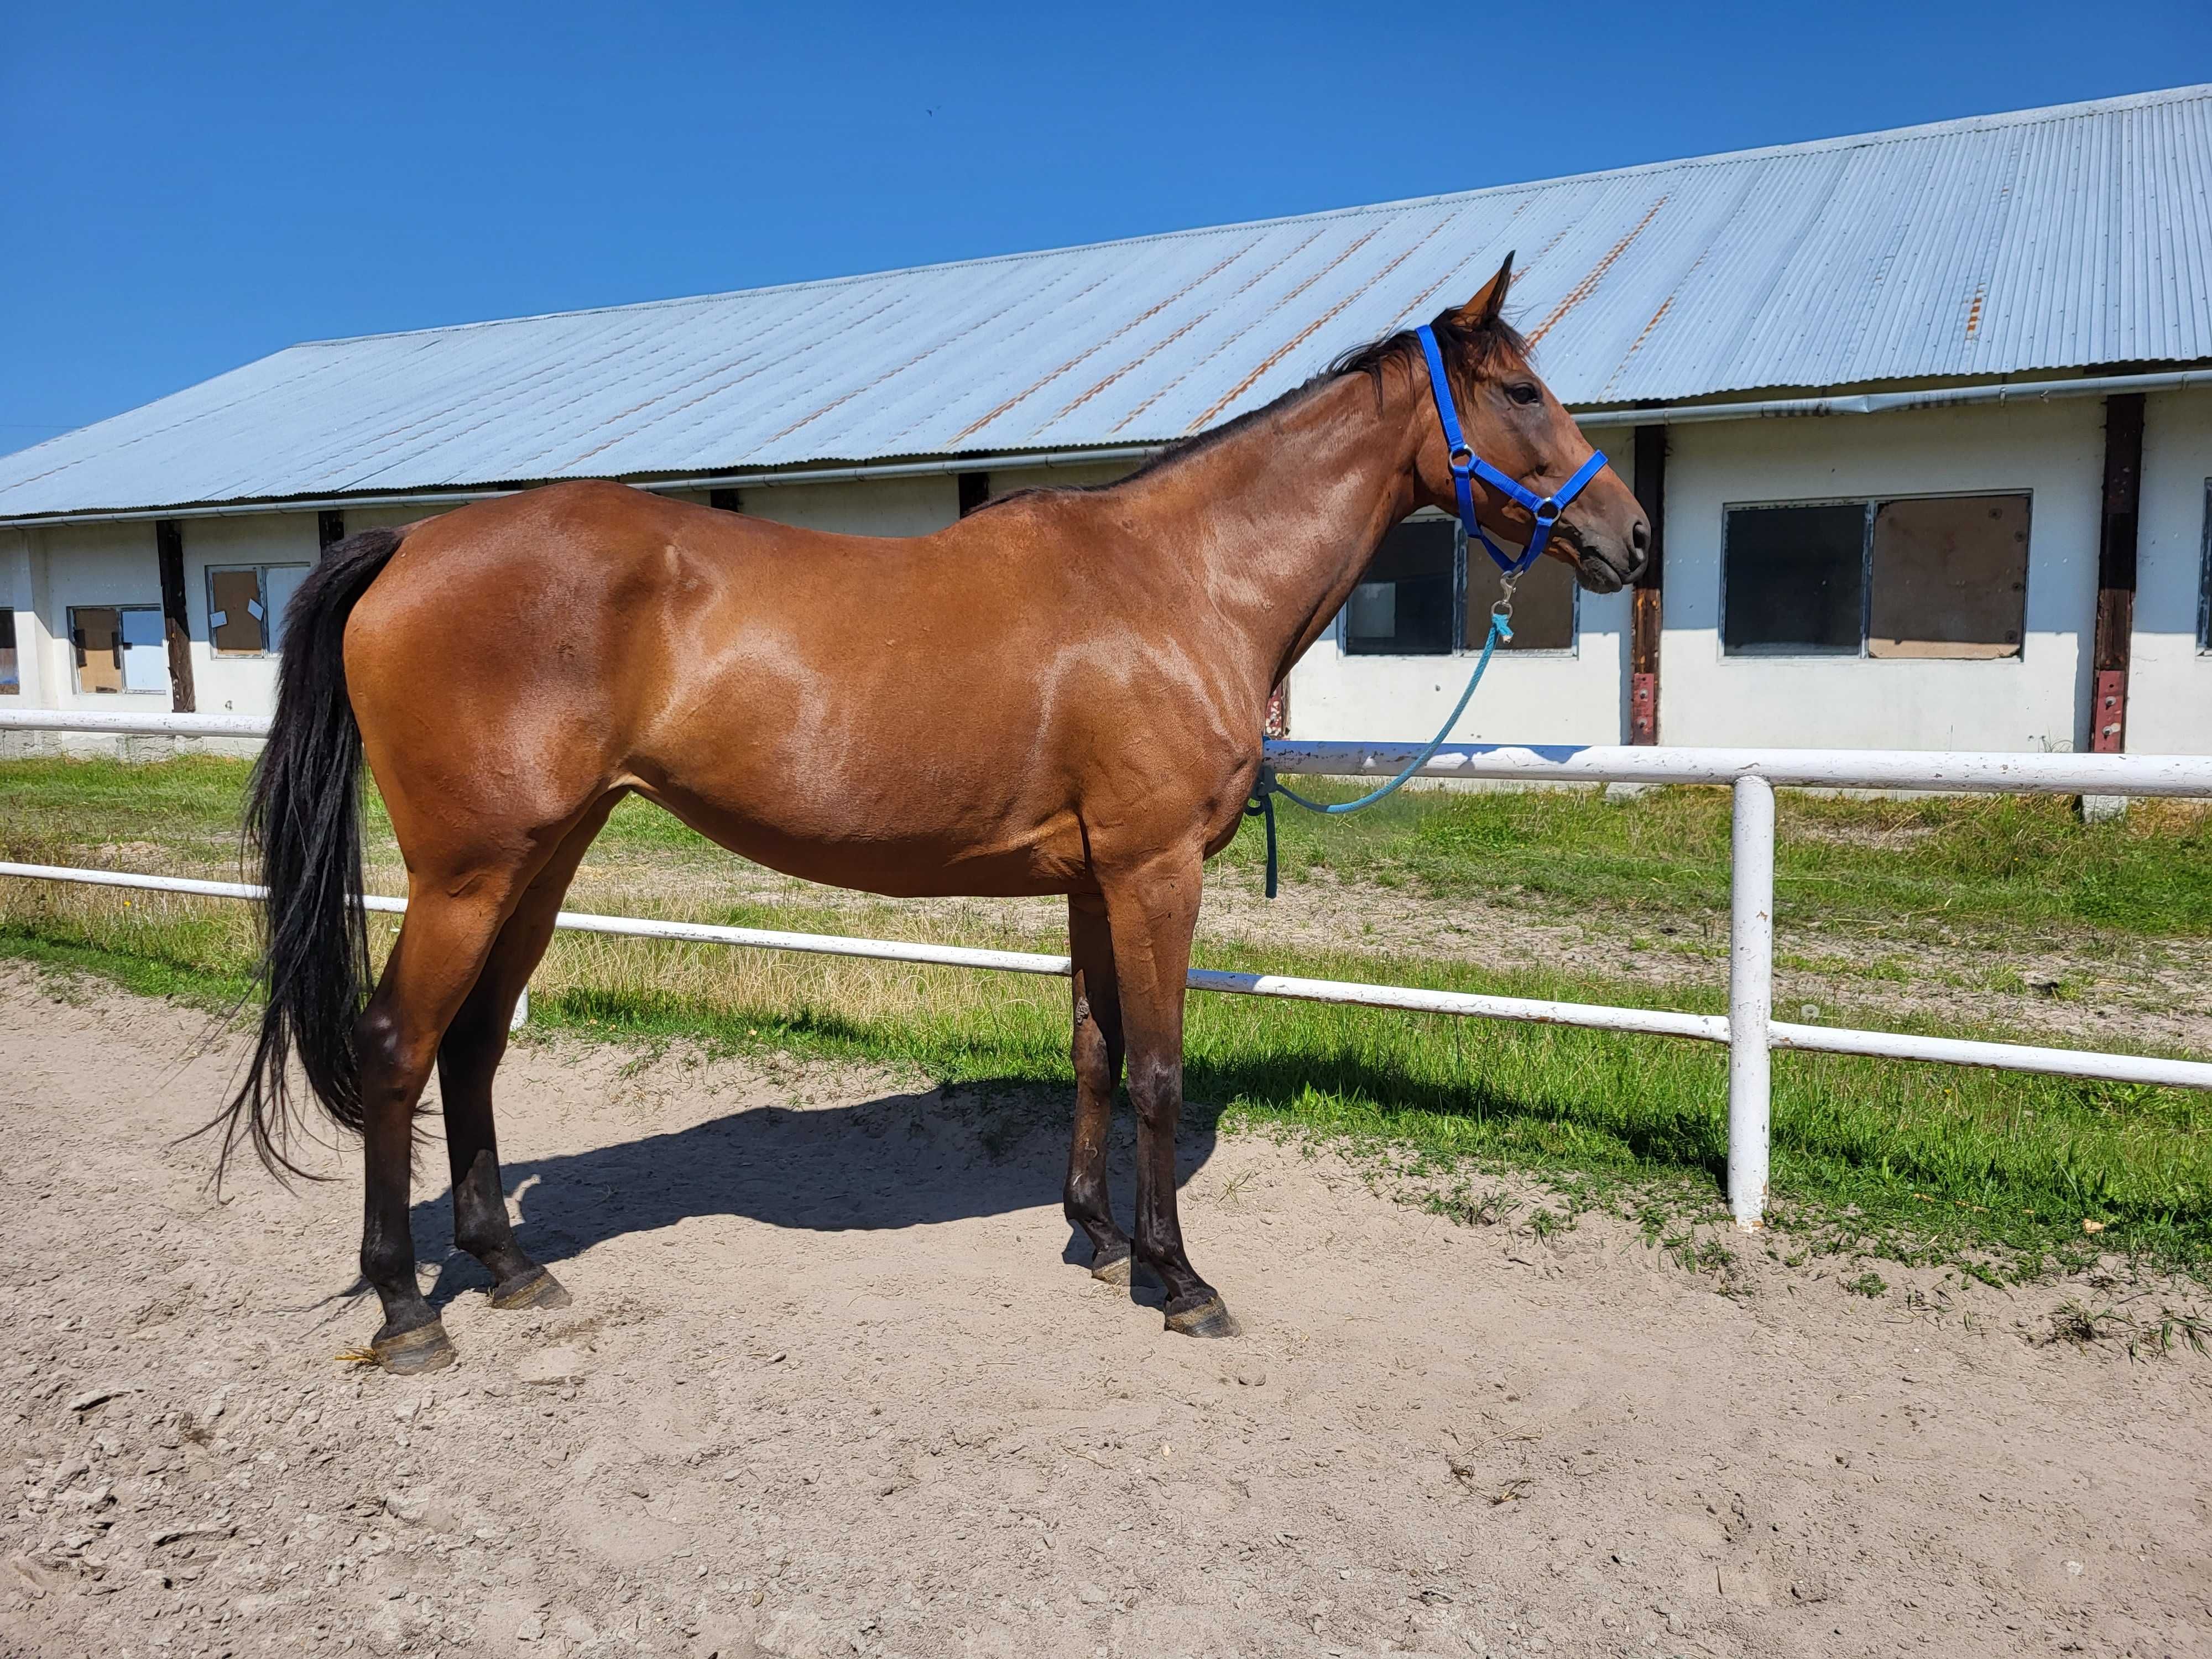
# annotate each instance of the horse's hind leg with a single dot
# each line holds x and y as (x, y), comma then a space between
(441, 949)
(1097, 1054)
(467, 1058)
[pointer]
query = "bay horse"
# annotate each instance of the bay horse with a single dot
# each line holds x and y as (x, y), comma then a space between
(1061, 693)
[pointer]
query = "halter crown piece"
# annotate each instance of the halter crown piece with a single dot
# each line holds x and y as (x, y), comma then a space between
(1467, 466)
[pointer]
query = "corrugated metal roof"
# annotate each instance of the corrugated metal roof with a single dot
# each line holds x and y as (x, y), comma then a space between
(2047, 240)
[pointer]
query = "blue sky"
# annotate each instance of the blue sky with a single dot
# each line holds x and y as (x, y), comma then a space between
(184, 188)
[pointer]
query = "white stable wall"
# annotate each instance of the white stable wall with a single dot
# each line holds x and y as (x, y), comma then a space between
(2170, 677)
(888, 507)
(2036, 701)
(88, 565)
(1549, 697)
(235, 683)
(21, 578)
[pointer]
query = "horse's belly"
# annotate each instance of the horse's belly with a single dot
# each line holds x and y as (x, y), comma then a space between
(873, 852)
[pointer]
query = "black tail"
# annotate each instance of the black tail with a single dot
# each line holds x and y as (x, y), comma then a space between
(303, 816)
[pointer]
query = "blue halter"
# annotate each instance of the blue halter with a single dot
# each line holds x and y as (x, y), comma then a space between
(1467, 466)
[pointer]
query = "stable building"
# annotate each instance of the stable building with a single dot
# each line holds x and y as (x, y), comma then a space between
(1923, 420)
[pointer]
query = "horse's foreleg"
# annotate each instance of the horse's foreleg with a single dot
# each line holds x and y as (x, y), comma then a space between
(441, 948)
(1154, 910)
(467, 1059)
(1097, 1055)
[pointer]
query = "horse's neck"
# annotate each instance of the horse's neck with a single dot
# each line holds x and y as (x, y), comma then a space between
(1279, 515)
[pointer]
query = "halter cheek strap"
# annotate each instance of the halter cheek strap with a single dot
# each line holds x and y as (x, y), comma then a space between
(1467, 466)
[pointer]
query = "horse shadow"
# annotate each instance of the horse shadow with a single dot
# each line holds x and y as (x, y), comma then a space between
(899, 1161)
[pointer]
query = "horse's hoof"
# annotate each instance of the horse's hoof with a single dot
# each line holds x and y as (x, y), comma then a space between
(425, 1349)
(1111, 1267)
(1210, 1317)
(536, 1290)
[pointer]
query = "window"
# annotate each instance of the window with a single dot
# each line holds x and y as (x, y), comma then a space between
(1543, 602)
(1423, 596)
(11, 680)
(120, 648)
(1403, 604)
(1922, 576)
(246, 606)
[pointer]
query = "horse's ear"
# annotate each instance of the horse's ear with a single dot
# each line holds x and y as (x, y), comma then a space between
(1489, 302)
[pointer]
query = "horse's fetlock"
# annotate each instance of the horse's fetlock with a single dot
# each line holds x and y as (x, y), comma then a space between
(388, 1265)
(481, 1234)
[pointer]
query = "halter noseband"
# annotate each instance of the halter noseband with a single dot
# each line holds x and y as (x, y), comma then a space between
(1467, 465)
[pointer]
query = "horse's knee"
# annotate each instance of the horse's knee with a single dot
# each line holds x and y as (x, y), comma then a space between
(1156, 1091)
(380, 1040)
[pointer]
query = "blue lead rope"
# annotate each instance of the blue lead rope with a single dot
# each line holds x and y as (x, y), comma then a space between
(1466, 466)
(1262, 804)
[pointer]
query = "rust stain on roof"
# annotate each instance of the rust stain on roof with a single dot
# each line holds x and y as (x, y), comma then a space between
(1168, 339)
(1305, 334)
(1096, 347)
(1581, 290)
(1974, 311)
(1279, 303)
(1665, 306)
(1413, 307)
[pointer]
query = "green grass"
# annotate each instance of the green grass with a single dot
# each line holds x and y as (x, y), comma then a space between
(1870, 1157)
(2000, 861)
(1904, 866)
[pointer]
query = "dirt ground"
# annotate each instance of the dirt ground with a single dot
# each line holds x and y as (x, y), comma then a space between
(831, 1385)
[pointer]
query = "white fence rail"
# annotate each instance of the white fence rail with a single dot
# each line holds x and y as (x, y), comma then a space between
(1747, 1028)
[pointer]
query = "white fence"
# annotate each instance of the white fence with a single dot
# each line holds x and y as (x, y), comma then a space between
(1747, 1028)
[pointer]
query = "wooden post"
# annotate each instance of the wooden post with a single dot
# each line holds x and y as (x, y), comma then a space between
(176, 626)
(724, 501)
(974, 490)
(329, 530)
(1646, 615)
(2116, 574)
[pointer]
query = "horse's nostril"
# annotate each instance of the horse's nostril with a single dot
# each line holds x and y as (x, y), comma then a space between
(1639, 536)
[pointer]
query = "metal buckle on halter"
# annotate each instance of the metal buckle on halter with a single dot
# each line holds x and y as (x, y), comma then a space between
(1463, 467)
(1503, 609)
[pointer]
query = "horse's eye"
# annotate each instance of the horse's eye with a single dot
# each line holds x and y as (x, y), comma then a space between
(1523, 392)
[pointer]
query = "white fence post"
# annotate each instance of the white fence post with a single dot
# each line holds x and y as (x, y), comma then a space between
(521, 1016)
(1750, 998)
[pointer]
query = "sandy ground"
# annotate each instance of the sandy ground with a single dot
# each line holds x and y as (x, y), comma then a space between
(830, 1385)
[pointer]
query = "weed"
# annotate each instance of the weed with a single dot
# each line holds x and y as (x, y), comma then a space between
(1469, 1208)
(2076, 1322)
(1868, 1284)
(1545, 1224)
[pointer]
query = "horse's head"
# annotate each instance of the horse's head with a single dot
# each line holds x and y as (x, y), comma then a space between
(1512, 421)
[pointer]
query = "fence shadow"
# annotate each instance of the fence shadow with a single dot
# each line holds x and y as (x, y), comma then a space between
(907, 1160)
